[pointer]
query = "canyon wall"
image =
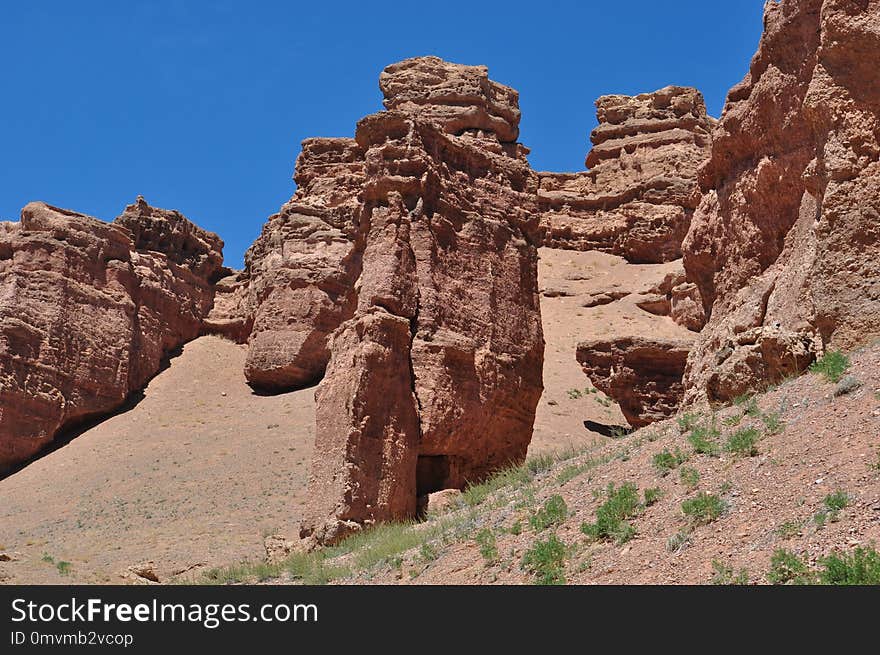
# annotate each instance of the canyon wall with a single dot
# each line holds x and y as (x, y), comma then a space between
(88, 312)
(785, 244)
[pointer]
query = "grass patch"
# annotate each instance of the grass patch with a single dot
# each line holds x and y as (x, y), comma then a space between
(790, 529)
(666, 461)
(703, 439)
(621, 504)
(861, 567)
(570, 472)
(832, 365)
(773, 424)
(63, 567)
(553, 513)
(725, 575)
(788, 568)
(514, 476)
(690, 477)
(688, 421)
(837, 501)
(679, 541)
(703, 508)
(488, 548)
(743, 442)
(545, 560)
(652, 496)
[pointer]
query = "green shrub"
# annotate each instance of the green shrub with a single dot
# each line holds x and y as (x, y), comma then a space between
(836, 501)
(622, 503)
(665, 461)
(688, 421)
(832, 365)
(679, 541)
(725, 575)
(788, 568)
(486, 541)
(553, 513)
(773, 423)
(652, 496)
(428, 553)
(703, 508)
(703, 439)
(743, 442)
(539, 464)
(63, 567)
(861, 567)
(545, 560)
(690, 477)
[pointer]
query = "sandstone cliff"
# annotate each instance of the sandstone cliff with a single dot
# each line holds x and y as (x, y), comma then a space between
(784, 246)
(88, 312)
(638, 196)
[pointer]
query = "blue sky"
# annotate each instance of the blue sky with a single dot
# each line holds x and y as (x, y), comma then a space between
(201, 106)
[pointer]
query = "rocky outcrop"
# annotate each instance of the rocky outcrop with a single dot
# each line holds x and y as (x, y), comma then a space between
(642, 374)
(302, 269)
(638, 196)
(88, 312)
(784, 246)
(435, 367)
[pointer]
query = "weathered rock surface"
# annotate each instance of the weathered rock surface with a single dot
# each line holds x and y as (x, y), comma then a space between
(303, 267)
(785, 244)
(638, 196)
(435, 367)
(643, 374)
(88, 312)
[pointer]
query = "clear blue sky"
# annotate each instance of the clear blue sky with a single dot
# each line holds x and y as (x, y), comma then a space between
(201, 106)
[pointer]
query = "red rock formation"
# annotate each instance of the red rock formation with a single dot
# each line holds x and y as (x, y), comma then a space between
(640, 192)
(88, 311)
(436, 371)
(784, 246)
(642, 374)
(302, 269)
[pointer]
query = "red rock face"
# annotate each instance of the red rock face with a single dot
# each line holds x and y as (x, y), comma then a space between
(638, 197)
(88, 311)
(435, 370)
(784, 245)
(643, 374)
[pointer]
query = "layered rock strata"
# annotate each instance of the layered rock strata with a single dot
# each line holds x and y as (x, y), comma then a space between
(638, 196)
(89, 311)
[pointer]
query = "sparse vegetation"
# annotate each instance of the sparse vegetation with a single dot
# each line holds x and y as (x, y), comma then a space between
(832, 365)
(703, 439)
(861, 567)
(743, 442)
(836, 501)
(553, 513)
(688, 421)
(703, 508)
(570, 472)
(622, 503)
(790, 529)
(773, 424)
(545, 560)
(652, 496)
(63, 567)
(725, 575)
(665, 461)
(487, 543)
(787, 568)
(690, 477)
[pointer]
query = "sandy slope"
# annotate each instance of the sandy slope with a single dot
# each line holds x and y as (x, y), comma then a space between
(196, 473)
